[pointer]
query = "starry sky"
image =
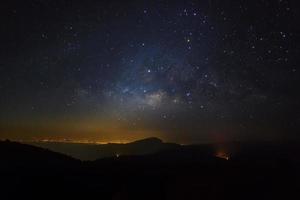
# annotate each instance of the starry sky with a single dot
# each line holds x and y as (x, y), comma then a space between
(183, 71)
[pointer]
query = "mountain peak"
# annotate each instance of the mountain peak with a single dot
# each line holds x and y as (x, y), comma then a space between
(149, 140)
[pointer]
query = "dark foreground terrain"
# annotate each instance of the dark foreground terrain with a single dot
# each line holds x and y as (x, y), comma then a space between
(252, 171)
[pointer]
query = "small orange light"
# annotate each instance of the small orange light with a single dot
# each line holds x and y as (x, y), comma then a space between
(222, 155)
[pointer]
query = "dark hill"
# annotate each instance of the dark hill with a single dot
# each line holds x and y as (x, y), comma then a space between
(97, 151)
(253, 171)
(151, 140)
(23, 155)
(29, 172)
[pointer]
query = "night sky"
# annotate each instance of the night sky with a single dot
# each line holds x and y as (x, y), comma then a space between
(183, 71)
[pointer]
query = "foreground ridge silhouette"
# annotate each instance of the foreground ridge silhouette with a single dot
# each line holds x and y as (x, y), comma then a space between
(255, 171)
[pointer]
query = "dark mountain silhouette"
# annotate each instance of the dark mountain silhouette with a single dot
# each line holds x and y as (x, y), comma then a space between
(96, 151)
(17, 154)
(31, 172)
(253, 171)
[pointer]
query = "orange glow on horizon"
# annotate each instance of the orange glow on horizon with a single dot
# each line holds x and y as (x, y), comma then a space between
(223, 155)
(75, 141)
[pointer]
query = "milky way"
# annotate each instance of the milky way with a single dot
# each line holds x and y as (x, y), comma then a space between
(185, 71)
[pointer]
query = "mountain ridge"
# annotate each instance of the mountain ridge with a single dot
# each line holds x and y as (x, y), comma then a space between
(179, 173)
(97, 151)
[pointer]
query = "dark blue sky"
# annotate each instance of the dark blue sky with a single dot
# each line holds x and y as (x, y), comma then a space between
(185, 71)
